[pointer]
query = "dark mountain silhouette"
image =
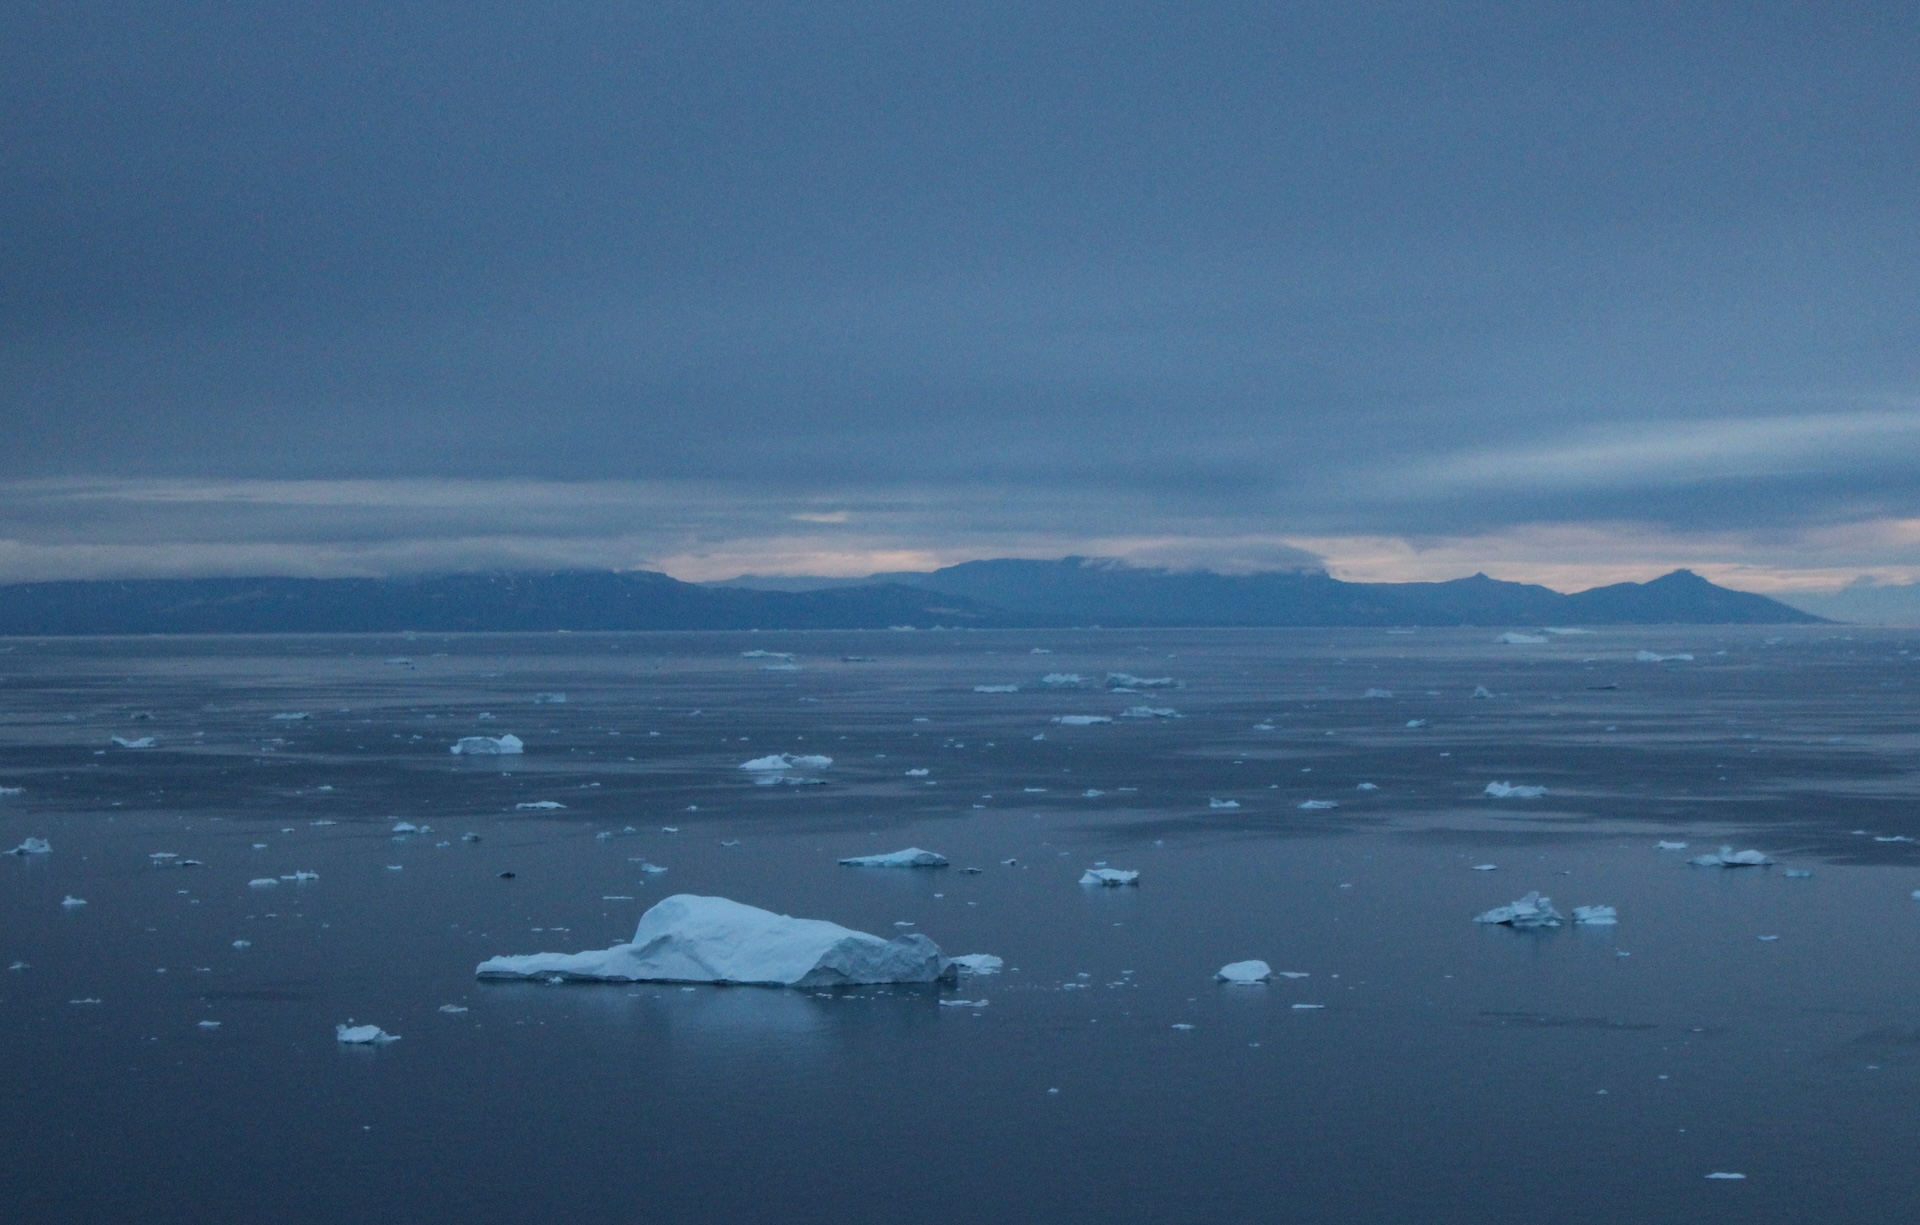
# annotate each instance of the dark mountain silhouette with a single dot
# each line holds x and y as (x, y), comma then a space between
(985, 594)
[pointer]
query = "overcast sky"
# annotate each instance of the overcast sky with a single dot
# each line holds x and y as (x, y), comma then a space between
(1566, 292)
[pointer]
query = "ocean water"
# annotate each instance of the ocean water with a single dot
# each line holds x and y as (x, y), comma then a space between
(1734, 1021)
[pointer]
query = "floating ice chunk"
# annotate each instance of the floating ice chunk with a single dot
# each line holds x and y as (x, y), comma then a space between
(1377, 693)
(243, 944)
(1150, 712)
(996, 689)
(1481, 691)
(780, 667)
(1725, 1174)
(1244, 972)
(71, 901)
(1416, 722)
(1295, 974)
(963, 1003)
(363, 1035)
(1513, 639)
(264, 882)
(691, 939)
(453, 1008)
(1530, 911)
(1367, 787)
(1669, 846)
(912, 857)
(1563, 630)
(209, 1025)
(1798, 874)
(1727, 857)
(1061, 678)
(538, 805)
(1486, 867)
(488, 746)
(1080, 720)
(1314, 805)
(293, 716)
(1596, 916)
(141, 742)
(766, 654)
(979, 963)
(1502, 791)
(918, 772)
(1308, 1007)
(33, 846)
(652, 869)
(405, 827)
(1223, 803)
(13, 790)
(1649, 657)
(302, 875)
(1126, 680)
(787, 761)
(1110, 877)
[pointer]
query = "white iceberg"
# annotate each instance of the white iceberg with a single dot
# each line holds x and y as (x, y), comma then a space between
(264, 882)
(1730, 858)
(1218, 803)
(692, 939)
(1669, 846)
(1520, 640)
(787, 761)
(912, 857)
(1126, 680)
(488, 746)
(1150, 712)
(142, 742)
(363, 1035)
(71, 901)
(766, 654)
(1314, 805)
(1481, 691)
(1061, 678)
(996, 689)
(33, 846)
(1596, 916)
(1649, 657)
(538, 805)
(1244, 972)
(1530, 911)
(405, 827)
(1111, 877)
(979, 963)
(918, 772)
(1080, 720)
(1501, 791)
(963, 1003)
(293, 716)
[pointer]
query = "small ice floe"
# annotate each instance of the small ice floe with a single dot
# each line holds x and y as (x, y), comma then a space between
(1504, 791)
(33, 846)
(1247, 972)
(302, 876)
(1182, 1026)
(293, 716)
(780, 762)
(1111, 877)
(1481, 691)
(996, 689)
(1416, 722)
(652, 869)
(1080, 720)
(18, 966)
(1216, 803)
(12, 791)
(691, 939)
(1295, 974)
(488, 746)
(963, 1003)
(243, 944)
(979, 963)
(766, 654)
(1726, 1175)
(1367, 787)
(363, 1035)
(1308, 1007)
(1669, 846)
(1564, 630)
(71, 901)
(1377, 693)
(543, 699)
(1092, 793)
(1062, 678)
(1486, 867)
(1514, 639)
(1727, 857)
(1799, 874)
(1650, 657)
(918, 772)
(405, 827)
(912, 857)
(538, 805)
(1596, 916)
(209, 1025)
(1126, 680)
(1892, 838)
(1150, 712)
(139, 742)
(1530, 911)
(1319, 805)
(264, 882)
(469, 837)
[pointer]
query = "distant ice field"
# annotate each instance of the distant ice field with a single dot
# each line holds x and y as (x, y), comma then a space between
(252, 884)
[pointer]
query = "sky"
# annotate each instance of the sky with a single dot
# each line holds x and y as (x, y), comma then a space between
(1569, 293)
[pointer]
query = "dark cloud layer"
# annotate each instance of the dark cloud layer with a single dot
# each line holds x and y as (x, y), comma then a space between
(1303, 268)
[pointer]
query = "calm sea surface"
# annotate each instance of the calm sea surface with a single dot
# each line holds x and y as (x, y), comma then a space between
(1735, 1021)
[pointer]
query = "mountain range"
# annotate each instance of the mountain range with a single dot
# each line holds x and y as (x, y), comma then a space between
(1003, 593)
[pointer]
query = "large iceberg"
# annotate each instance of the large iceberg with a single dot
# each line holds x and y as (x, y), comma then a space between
(692, 939)
(488, 746)
(1730, 858)
(1247, 972)
(912, 857)
(1530, 911)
